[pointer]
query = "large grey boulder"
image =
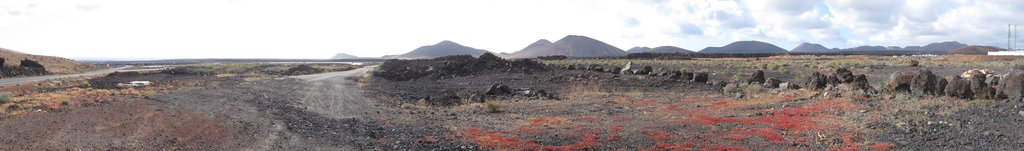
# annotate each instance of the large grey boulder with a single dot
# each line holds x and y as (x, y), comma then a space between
(757, 77)
(815, 81)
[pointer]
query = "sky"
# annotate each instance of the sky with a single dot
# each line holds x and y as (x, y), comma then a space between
(167, 29)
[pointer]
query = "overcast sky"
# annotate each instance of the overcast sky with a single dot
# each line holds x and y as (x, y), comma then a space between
(149, 29)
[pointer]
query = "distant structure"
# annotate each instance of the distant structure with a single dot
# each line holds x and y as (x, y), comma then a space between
(1011, 43)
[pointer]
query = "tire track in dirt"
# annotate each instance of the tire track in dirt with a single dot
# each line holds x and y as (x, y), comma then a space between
(335, 94)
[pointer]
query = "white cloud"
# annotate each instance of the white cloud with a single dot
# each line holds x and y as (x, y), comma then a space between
(865, 16)
(319, 28)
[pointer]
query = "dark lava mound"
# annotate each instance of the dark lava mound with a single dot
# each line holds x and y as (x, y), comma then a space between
(453, 66)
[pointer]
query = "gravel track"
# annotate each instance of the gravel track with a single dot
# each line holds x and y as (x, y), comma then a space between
(22, 80)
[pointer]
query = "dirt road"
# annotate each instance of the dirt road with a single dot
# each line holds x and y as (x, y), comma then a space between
(334, 94)
(314, 112)
(21, 80)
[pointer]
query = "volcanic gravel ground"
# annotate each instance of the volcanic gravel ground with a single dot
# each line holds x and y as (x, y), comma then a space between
(986, 126)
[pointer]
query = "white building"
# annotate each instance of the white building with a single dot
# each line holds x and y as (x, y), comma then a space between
(1007, 53)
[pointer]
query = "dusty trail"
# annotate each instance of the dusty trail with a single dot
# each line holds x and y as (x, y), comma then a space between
(335, 94)
(21, 80)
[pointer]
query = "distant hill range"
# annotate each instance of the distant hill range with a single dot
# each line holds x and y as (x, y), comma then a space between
(975, 50)
(444, 48)
(932, 47)
(345, 56)
(582, 46)
(943, 46)
(662, 49)
(571, 46)
(745, 47)
(669, 49)
(13, 59)
(809, 47)
(871, 48)
(638, 50)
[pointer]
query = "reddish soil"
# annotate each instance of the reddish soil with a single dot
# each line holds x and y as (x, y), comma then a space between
(128, 124)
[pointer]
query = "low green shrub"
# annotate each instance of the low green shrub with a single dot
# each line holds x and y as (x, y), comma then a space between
(5, 97)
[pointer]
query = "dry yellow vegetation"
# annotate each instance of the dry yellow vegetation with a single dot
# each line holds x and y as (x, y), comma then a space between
(56, 65)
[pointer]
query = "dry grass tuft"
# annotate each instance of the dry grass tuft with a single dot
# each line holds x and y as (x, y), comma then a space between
(586, 90)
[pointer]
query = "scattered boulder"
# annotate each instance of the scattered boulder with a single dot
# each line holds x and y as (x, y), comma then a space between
(686, 75)
(505, 90)
(28, 67)
(657, 72)
(981, 89)
(701, 77)
(941, 84)
(959, 88)
(816, 81)
(489, 58)
(675, 75)
(719, 85)
(756, 77)
(900, 81)
(627, 69)
(844, 75)
(787, 85)
(498, 89)
(772, 83)
(993, 81)
(1012, 86)
(646, 70)
(924, 82)
(976, 73)
(303, 70)
(31, 64)
(860, 82)
(833, 80)
(595, 67)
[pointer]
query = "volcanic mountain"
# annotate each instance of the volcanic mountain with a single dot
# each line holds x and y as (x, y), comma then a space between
(344, 56)
(444, 48)
(867, 48)
(975, 50)
(943, 46)
(745, 47)
(537, 44)
(669, 49)
(572, 46)
(809, 47)
(638, 49)
(56, 65)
